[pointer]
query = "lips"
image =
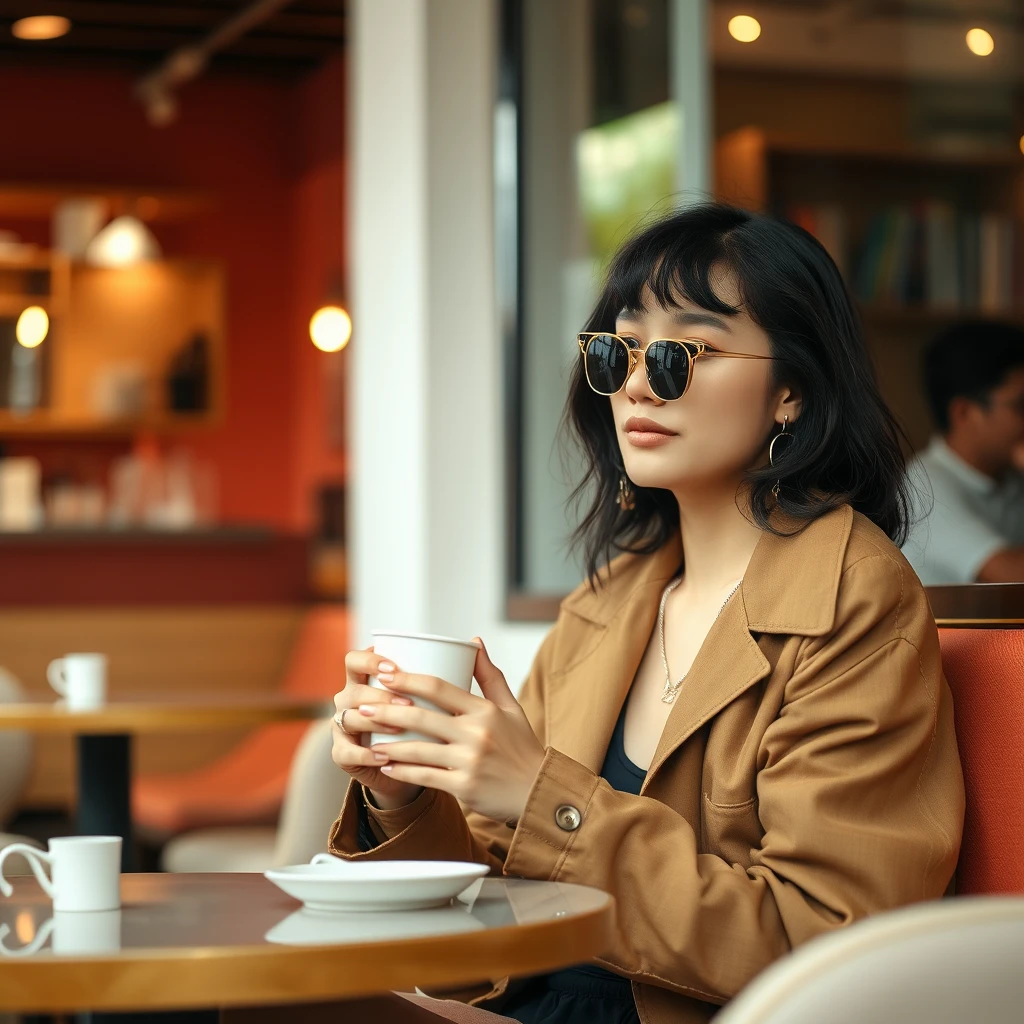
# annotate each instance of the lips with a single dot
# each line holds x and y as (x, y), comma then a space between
(645, 433)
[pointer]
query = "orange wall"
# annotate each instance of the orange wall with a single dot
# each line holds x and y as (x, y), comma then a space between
(269, 152)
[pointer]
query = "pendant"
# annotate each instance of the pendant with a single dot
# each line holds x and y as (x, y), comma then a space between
(671, 691)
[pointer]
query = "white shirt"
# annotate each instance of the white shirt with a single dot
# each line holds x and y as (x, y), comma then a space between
(961, 517)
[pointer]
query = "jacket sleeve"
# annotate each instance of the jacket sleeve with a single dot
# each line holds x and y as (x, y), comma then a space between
(859, 796)
(435, 826)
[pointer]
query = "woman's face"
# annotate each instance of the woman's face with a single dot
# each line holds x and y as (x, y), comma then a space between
(712, 435)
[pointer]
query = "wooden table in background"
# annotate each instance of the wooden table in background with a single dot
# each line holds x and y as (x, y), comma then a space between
(104, 740)
(233, 940)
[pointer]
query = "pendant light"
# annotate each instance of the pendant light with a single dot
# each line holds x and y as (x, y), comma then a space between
(124, 242)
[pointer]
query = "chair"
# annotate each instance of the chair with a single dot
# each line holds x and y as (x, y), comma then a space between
(944, 962)
(15, 752)
(985, 670)
(247, 785)
(316, 788)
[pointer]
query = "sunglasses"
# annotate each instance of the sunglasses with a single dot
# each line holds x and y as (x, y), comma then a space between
(608, 360)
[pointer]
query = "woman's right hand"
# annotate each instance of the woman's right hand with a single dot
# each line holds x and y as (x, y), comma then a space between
(348, 752)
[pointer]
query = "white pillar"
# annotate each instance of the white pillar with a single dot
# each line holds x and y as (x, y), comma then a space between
(690, 44)
(426, 400)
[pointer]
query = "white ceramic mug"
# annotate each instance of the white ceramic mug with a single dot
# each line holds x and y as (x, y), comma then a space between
(81, 679)
(420, 653)
(86, 871)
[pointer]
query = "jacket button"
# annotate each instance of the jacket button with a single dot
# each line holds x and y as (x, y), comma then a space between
(567, 818)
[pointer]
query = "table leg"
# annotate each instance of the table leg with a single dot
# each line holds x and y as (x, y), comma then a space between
(105, 790)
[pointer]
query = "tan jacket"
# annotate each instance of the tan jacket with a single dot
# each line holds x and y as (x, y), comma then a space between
(807, 776)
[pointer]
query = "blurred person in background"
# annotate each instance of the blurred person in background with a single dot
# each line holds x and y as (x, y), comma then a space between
(968, 525)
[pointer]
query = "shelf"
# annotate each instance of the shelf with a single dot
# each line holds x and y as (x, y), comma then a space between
(933, 314)
(155, 205)
(42, 424)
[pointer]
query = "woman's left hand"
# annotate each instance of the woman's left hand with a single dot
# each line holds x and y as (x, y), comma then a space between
(488, 756)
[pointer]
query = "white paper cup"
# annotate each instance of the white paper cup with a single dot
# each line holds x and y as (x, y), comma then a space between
(81, 679)
(422, 654)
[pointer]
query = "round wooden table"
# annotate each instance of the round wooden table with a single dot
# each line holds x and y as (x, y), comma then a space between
(104, 740)
(203, 941)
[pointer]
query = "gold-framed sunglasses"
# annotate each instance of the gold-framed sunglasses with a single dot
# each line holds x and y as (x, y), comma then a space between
(608, 361)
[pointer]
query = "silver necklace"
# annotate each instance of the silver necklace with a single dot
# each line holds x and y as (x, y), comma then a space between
(671, 690)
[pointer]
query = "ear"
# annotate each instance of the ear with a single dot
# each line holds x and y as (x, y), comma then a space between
(962, 411)
(788, 404)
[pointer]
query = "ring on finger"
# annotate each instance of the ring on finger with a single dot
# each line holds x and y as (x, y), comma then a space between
(339, 721)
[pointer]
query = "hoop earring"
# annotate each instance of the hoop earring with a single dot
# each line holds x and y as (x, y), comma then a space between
(784, 432)
(627, 496)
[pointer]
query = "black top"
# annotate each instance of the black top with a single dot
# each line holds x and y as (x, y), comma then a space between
(586, 994)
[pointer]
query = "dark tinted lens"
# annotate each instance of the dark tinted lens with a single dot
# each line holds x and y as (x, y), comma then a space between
(606, 363)
(668, 367)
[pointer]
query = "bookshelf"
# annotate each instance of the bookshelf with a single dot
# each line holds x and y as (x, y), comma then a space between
(924, 236)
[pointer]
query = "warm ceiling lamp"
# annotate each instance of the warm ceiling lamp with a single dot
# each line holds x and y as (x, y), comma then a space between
(1021, 143)
(330, 328)
(32, 327)
(123, 242)
(41, 26)
(980, 42)
(744, 29)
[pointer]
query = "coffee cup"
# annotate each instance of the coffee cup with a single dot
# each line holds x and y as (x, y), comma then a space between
(86, 871)
(423, 654)
(81, 679)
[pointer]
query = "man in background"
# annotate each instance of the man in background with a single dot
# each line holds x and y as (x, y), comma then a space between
(969, 502)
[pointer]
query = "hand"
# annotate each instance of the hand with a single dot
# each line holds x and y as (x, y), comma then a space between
(349, 752)
(489, 755)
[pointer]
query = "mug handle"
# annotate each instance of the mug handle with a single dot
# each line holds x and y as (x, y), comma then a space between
(55, 676)
(33, 856)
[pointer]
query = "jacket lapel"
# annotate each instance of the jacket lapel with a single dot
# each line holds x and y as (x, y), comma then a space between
(790, 587)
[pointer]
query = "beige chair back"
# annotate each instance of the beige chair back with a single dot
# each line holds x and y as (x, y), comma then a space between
(15, 752)
(944, 962)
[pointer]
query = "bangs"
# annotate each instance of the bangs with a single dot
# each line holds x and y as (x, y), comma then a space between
(676, 265)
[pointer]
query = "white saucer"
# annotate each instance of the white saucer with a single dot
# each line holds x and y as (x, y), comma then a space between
(339, 885)
(315, 928)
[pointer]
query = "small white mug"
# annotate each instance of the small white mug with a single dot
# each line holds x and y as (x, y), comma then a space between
(441, 656)
(86, 871)
(81, 679)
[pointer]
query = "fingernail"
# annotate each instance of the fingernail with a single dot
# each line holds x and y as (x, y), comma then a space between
(367, 709)
(401, 700)
(385, 677)
(386, 769)
(380, 758)
(385, 666)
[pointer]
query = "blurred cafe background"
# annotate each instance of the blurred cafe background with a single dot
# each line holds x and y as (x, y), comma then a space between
(289, 294)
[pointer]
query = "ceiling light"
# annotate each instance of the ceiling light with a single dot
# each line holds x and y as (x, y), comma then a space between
(980, 42)
(1021, 143)
(330, 328)
(124, 241)
(42, 26)
(32, 327)
(744, 28)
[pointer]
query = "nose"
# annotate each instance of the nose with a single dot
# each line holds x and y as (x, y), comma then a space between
(637, 387)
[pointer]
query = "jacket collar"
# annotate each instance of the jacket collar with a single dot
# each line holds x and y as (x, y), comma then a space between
(790, 587)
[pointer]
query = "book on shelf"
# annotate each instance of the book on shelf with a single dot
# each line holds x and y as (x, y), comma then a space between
(928, 255)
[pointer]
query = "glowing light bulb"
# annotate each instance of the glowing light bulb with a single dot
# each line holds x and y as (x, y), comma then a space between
(1021, 143)
(980, 42)
(32, 327)
(330, 328)
(124, 241)
(744, 29)
(41, 26)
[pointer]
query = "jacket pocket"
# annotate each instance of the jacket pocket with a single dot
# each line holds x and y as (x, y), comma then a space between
(730, 831)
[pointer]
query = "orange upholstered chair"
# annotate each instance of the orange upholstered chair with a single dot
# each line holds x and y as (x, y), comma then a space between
(248, 784)
(985, 669)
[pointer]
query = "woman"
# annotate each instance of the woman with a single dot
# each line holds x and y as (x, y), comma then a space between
(761, 660)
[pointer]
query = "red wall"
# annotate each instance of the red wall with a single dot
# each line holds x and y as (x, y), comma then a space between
(270, 153)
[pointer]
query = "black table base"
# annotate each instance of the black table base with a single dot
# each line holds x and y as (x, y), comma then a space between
(105, 791)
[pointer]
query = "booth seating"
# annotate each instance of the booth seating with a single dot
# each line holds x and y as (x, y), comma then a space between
(247, 785)
(985, 670)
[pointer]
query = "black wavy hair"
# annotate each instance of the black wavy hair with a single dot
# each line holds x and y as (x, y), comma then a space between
(847, 446)
(995, 349)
